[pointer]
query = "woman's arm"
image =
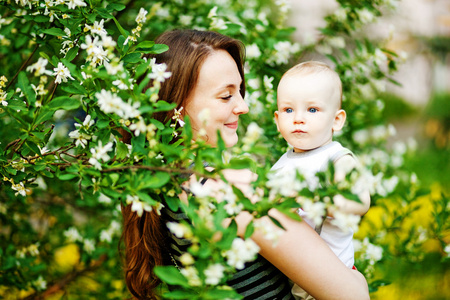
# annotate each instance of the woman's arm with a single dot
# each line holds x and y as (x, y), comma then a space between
(308, 261)
(300, 252)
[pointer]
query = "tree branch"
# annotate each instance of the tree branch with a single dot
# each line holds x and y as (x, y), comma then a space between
(66, 280)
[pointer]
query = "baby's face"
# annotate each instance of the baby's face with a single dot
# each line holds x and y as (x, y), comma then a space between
(308, 110)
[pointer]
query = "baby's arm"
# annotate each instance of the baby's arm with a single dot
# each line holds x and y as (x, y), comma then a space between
(342, 166)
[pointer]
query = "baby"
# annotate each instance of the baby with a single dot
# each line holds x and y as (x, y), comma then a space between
(309, 111)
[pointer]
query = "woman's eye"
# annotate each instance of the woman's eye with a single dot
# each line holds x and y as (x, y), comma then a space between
(312, 110)
(289, 110)
(226, 97)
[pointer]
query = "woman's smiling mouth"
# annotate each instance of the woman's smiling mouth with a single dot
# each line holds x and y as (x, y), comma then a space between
(233, 125)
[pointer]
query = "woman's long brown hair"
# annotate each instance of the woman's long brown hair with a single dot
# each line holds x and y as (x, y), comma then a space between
(144, 236)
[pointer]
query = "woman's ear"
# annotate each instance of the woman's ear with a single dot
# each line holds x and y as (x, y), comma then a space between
(276, 119)
(339, 120)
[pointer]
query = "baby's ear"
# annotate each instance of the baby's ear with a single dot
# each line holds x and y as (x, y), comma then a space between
(276, 119)
(339, 120)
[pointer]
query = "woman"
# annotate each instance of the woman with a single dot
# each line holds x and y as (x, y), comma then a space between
(207, 73)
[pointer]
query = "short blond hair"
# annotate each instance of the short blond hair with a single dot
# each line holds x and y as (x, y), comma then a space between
(316, 68)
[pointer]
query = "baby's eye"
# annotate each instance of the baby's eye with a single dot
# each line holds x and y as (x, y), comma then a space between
(289, 110)
(312, 110)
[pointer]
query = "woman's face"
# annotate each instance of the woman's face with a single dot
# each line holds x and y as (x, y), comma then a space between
(215, 103)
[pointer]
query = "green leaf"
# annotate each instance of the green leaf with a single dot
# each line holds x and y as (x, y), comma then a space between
(164, 106)
(145, 44)
(67, 176)
(156, 49)
(181, 294)
(74, 89)
(25, 86)
(116, 6)
(132, 58)
(157, 123)
(276, 222)
(44, 115)
(220, 293)
(157, 180)
(121, 150)
(228, 236)
(54, 31)
(170, 275)
(249, 230)
(240, 163)
(103, 123)
(105, 14)
(64, 102)
(33, 147)
(121, 30)
(72, 53)
(173, 203)
(44, 55)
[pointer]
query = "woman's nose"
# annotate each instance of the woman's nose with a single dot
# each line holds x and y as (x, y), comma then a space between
(241, 106)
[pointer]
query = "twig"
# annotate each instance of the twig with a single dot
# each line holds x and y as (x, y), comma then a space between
(66, 280)
(13, 143)
(22, 67)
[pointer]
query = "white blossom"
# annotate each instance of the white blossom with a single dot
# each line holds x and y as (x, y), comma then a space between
(81, 138)
(33, 249)
(199, 190)
(179, 230)
(100, 153)
(365, 16)
(72, 235)
(283, 51)
(89, 245)
(346, 222)
(214, 273)
(268, 85)
(336, 42)
(187, 259)
(270, 232)
(111, 103)
(20, 188)
(139, 127)
(72, 4)
(253, 134)
(141, 17)
(361, 136)
(285, 183)
(3, 98)
(137, 205)
(185, 20)
(94, 48)
(105, 236)
(241, 252)
(252, 51)
(447, 250)
(159, 72)
(341, 14)
(97, 28)
(314, 210)
(253, 83)
(39, 67)
(191, 274)
(113, 68)
(40, 283)
(61, 73)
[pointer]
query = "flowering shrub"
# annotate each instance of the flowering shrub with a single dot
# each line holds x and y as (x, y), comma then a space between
(73, 74)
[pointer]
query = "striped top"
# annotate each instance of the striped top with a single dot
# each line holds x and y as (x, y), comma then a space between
(258, 280)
